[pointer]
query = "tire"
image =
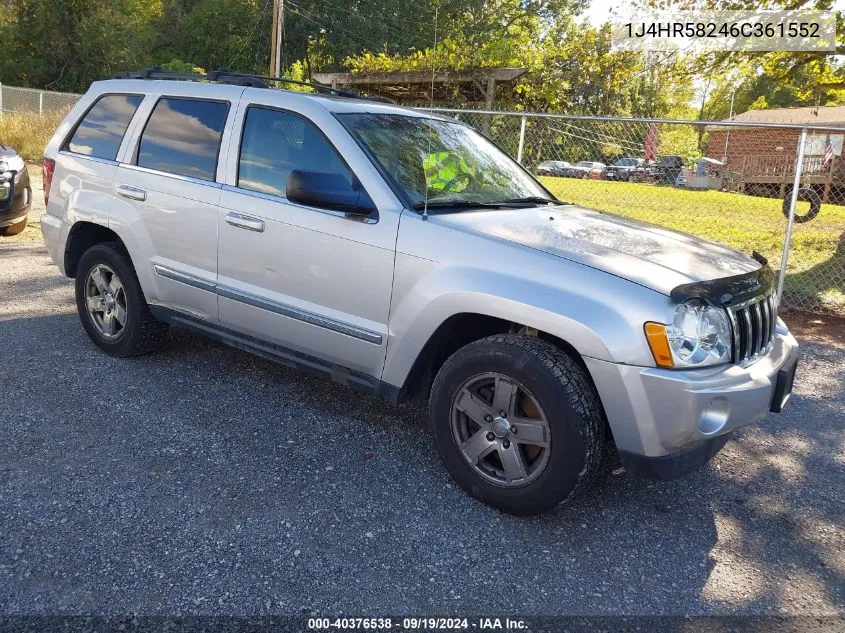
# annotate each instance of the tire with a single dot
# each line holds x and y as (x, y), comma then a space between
(140, 333)
(14, 229)
(805, 194)
(561, 395)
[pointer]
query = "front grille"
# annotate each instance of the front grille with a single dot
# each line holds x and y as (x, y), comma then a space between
(753, 324)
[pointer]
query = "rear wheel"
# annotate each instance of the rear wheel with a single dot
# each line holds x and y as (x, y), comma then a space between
(112, 306)
(517, 423)
(14, 229)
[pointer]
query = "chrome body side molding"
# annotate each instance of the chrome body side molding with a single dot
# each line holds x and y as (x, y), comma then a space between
(272, 306)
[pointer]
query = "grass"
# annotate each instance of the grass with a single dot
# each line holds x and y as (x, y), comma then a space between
(29, 133)
(816, 270)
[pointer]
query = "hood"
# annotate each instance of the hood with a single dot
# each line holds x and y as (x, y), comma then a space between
(7, 152)
(649, 255)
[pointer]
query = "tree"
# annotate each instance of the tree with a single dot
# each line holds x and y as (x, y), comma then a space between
(66, 44)
(769, 79)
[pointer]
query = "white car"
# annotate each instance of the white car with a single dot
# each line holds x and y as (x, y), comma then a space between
(404, 254)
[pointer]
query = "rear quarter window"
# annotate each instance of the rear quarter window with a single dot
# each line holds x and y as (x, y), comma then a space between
(182, 137)
(101, 130)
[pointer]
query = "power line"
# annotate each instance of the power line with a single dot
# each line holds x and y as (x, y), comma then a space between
(624, 146)
(303, 13)
(251, 33)
(357, 14)
(599, 137)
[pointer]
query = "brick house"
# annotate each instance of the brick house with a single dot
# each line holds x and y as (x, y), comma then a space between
(762, 160)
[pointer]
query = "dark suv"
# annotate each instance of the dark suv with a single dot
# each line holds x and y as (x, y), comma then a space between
(622, 168)
(668, 169)
(663, 172)
(15, 192)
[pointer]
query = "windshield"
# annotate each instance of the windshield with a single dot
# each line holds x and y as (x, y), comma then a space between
(585, 163)
(626, 162)
(448, 161)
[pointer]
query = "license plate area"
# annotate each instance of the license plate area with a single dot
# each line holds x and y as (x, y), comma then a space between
(783, 387)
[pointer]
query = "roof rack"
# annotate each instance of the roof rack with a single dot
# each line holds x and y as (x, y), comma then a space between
(238, 79)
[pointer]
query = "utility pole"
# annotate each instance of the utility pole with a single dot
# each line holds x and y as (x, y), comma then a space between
(728, 132)
(277, 38)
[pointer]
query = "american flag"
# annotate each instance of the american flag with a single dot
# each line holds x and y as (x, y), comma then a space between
(828, 152)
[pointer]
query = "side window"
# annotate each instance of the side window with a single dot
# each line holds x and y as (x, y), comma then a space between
(275, 143)
(183, 136)
(101, 130)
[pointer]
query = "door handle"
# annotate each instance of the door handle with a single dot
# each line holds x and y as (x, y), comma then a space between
(245, 222)
(133, 193)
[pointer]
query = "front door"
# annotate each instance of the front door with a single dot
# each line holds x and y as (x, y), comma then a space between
(311, 280)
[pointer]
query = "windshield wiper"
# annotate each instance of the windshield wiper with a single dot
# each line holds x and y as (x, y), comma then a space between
(470, 204)
(531, 199)
(458, 204)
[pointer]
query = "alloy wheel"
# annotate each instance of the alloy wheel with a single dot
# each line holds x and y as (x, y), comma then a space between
(501, 430)
(105, 300)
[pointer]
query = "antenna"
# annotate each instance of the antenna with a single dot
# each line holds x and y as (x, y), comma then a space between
(431, 106)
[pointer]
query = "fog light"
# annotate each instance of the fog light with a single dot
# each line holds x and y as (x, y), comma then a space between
(714, 416)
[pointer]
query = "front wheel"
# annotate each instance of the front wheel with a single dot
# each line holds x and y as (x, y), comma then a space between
(517, 423)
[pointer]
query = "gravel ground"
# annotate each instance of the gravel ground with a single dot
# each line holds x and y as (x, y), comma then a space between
(205, 480)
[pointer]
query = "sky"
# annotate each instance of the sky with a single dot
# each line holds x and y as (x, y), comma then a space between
(602, 10)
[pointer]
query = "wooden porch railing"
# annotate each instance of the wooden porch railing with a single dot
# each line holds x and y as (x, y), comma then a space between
(782, 168)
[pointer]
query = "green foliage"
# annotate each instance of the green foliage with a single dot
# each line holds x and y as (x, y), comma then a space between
(177, 65)
(678, 140)
(570, 68)
(778, 79)
(29, 133)
(216, 32)
(66, 44)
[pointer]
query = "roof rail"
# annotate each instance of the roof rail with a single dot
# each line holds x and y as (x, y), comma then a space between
(238, 79)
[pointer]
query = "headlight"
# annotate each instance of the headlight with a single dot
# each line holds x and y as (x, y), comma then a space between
(700, 335)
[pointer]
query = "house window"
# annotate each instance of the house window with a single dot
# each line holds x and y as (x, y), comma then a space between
(816, 144)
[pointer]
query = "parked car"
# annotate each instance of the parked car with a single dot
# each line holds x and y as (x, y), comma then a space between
(646, 172)
(553, 168)
(585, 169)
(664, 171)
(400, 252)
(15, 192)
(668, 169)
(621, 170)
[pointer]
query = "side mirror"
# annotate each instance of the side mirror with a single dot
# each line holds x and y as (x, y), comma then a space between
(328, 191)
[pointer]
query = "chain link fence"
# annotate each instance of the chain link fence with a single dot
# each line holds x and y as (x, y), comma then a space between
(728, 182)
(30, 100)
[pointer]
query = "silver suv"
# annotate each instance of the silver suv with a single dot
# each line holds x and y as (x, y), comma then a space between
(406, 255)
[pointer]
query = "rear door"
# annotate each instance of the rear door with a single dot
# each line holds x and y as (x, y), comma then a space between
(168, 187)
(308, 279)
(87, 159)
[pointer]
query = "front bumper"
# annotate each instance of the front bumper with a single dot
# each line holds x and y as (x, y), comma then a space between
(681, 418)
(15, 198)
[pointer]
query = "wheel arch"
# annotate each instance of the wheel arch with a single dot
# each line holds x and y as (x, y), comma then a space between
(462, 329)
(82, 236)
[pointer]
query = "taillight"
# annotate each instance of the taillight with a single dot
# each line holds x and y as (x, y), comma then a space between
(47, 169)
